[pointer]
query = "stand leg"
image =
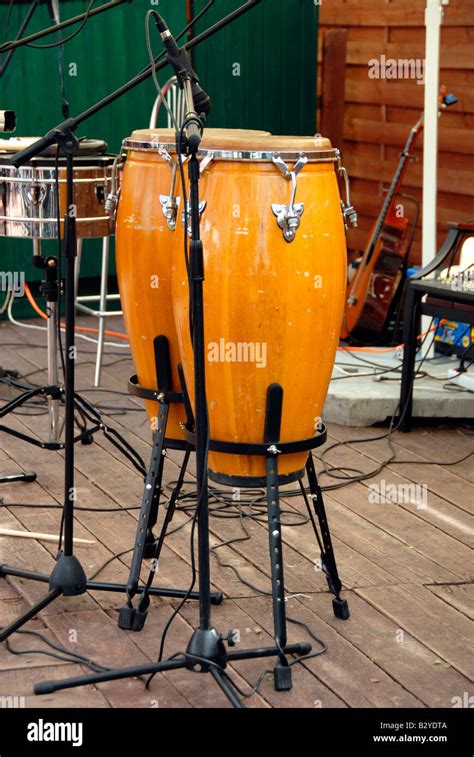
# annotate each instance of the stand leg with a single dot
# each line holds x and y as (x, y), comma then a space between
(410, 313)
(272, 434)
(26, 477)
(328, 560)
(142, 610)
(52, 337)
(29, 614)
(128, 615)
(102, 308)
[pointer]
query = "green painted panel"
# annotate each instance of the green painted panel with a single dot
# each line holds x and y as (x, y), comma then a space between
(261, 70)
(108, 51)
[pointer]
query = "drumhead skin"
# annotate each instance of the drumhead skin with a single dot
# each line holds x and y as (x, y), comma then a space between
(272, 309)
(86, 146)
(143, 254)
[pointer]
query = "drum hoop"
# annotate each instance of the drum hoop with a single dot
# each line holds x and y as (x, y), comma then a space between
(314, 156)
(35, 220)
(51, 182)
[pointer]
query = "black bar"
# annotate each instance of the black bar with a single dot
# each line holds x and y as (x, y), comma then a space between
(29, 614)
(13, 44)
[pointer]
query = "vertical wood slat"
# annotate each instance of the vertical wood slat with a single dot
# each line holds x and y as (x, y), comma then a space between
(333, 81)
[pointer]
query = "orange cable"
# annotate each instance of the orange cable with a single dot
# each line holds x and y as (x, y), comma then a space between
(88, 330)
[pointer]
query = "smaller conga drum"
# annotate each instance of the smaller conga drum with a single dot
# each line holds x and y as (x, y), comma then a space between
(274, 244)
(28, 206)
(148, 220)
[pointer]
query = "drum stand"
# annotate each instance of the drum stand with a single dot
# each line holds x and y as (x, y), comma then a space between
(206, 651)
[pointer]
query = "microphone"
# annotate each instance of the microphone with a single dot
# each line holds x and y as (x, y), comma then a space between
(54, 11)
(181, 63)
(7, 120)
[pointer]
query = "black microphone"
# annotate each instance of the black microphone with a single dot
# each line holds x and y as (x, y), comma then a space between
(181, 64)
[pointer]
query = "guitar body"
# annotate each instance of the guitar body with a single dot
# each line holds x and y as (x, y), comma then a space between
(383, 278)
(375, 290)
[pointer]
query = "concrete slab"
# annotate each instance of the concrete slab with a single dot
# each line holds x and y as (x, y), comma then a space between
(365, 389)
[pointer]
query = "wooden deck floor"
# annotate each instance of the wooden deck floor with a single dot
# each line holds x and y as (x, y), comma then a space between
(407, 571)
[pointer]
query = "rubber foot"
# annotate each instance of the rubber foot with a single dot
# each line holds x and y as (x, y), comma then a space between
(341, 608)
(126, 618)
(87, 439)
(139, 620)
(282, 678)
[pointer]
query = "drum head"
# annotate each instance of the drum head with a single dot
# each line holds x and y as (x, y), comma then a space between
(236, 144)
(149, 139)
(86, 146)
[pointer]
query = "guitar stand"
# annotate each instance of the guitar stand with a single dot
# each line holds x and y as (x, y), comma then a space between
(206, 651)
(146, 546)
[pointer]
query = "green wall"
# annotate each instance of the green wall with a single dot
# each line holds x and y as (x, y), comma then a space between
(274, 45)
(261, 70)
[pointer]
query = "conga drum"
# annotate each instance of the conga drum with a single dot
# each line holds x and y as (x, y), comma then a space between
(275, 276)
(148, 217)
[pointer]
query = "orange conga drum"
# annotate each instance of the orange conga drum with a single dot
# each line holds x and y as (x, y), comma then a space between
(149, 211)
(275, 277)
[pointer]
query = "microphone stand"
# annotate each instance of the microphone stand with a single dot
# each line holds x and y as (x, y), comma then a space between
(13, 44)
(206, 651)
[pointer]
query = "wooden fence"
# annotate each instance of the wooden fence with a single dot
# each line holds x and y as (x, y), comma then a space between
(380, 112)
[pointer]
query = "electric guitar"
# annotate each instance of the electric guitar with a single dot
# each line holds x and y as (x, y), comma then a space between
(375, 291)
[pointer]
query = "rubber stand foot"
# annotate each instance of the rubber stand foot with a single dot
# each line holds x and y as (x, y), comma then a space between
(282, 678)
(87, 439)
(341, 608)
(126, 618)
(139, 620)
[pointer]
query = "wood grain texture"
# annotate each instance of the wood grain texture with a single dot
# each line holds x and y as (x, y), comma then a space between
(379, 113)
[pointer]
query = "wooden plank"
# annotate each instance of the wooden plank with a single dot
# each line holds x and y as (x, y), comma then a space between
(20, 682)
(441, 628)
(359, 88)
(403, 657)
(459, 596)
(451, 180)
(402, 13)
(455, 56)
(362, 130)
(368, 685)
(333, 85)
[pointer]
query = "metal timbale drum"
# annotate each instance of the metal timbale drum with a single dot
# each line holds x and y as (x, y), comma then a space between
(274, 243)
(149, 217)
(28, 207)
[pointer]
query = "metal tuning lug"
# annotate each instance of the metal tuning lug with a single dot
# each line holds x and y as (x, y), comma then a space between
(349, 213)
(170, 206)
(289, 216)
(202, 207)
(170, 203)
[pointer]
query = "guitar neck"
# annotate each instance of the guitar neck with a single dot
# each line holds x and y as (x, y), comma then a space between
(394, 186)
